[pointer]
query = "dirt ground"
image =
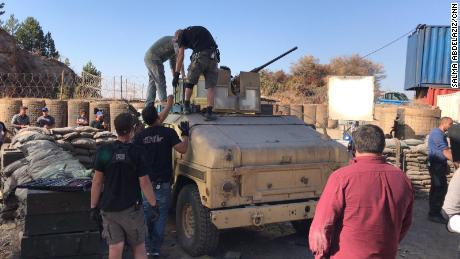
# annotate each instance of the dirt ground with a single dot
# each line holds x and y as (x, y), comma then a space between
(424, 240)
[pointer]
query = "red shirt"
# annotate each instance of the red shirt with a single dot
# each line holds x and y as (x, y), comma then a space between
(364, 211)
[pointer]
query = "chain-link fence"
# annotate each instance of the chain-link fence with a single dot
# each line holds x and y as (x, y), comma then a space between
(69, 85)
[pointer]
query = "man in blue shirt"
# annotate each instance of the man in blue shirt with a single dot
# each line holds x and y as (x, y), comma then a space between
(438, 154)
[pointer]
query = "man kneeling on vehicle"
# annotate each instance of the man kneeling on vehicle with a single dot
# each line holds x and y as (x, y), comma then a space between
(121, 172)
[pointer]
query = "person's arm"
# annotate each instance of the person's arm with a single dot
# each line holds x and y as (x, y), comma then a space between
(407, 221)
(182, 147)
(14, 122)
(147, 190)
(96, 188)
(448, 154)
(164, 113)
(180, 59)
(328, 210)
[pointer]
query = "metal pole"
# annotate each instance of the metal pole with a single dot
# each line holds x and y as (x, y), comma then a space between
(121, 87)
(114, 87)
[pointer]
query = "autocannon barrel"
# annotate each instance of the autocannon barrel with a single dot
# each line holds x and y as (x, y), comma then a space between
(257, 69)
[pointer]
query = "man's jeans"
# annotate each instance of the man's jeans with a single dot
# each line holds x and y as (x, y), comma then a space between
(438, 189)
(157, 81)
(155, 233)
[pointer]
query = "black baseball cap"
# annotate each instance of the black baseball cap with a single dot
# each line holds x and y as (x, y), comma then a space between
(124, 123)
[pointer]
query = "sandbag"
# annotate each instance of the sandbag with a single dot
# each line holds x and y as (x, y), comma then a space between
(81, 151)
(101, 141)
(104, 134)
(65, 145)
(84, 159)
(84, 143)
(57, 136)
(86, 129)
(86, 134)
(62, 131)
(9, 170)
(31, 146)
(413, 142)
(36, 129)
(70, 136)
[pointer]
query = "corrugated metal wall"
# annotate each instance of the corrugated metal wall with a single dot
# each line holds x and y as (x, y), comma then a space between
(428, 58)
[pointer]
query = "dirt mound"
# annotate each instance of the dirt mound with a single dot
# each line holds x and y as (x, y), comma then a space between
(15, 60)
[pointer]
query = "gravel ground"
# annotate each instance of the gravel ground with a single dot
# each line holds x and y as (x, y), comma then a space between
(424, 240)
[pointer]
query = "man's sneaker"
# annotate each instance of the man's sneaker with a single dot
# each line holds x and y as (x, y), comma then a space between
(437, 219)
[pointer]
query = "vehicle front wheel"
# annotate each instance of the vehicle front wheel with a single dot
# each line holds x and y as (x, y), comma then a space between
(196, 233)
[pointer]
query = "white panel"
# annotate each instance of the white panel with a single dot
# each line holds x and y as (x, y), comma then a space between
(449, 105)
(351, 98)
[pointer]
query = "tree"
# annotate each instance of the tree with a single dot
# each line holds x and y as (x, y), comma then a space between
(272, 82)
(91, 69)
(67, 62)
(2, 12)
(50, 48)
(30, 36)
(11, 25)
(357, 66)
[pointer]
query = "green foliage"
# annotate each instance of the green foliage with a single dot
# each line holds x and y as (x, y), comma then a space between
(2, 12)
(50, 48)
(30, 36)
(91, 69)
(11, 25)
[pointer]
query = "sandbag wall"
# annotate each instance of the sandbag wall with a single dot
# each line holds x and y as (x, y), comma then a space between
(82, 142)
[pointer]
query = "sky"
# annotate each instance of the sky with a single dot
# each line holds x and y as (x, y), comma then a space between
(115, 34)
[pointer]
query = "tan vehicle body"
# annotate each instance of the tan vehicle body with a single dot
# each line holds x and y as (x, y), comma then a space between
(252, 170)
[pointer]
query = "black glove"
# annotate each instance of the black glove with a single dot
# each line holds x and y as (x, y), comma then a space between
(154, 213)
(175, 80)
(184, 127)
(95, 214)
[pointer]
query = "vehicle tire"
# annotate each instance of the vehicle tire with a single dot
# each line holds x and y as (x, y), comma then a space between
(302, 227)
(195, 231)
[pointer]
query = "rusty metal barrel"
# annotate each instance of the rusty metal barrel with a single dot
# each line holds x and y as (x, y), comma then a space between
(74, 107)
(321, 115)
(418, 121)
(285, 109)
(34, 109)
(57, 109)
(297, 110)
(8, 108)
(104, 107)
(309, 113)
(116, 108)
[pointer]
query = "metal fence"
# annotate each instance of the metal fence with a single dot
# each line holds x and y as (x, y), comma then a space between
(69, 85)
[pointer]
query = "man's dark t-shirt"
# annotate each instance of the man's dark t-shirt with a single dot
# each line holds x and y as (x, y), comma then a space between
(97, 124)
(197, 38)
(158, 142)
(121, 174)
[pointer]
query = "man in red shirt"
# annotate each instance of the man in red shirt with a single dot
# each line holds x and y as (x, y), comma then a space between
(366, 207)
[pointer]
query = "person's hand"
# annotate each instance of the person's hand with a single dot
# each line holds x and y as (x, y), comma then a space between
(175, 81)
(154, 212)
(184, 127)
(170, 100)
(95, 214)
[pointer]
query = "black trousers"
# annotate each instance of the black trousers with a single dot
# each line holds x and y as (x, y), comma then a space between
(438, 189)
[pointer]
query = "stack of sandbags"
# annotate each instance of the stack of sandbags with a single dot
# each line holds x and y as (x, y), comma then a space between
(82, 142)
(393, 151)
(416, 166)
(43, 159)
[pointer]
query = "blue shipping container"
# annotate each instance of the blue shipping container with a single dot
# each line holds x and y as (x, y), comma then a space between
(428, 58)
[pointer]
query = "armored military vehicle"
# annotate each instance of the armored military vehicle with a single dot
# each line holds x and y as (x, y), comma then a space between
(246, 169)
